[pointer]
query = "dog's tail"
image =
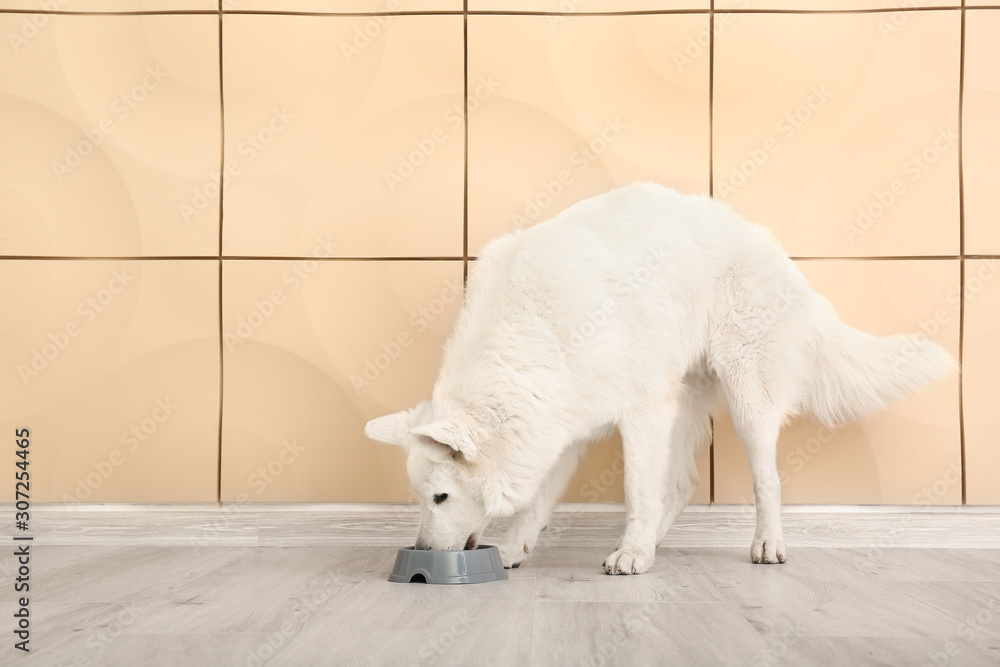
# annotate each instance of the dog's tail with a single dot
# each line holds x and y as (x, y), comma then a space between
(857, 374)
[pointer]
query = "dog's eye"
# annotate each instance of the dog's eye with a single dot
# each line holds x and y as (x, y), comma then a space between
(440, 498)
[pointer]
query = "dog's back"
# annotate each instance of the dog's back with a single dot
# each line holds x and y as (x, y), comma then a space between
(624, 293)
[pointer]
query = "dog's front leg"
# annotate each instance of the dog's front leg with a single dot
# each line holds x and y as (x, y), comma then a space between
(522, 535)
(646, 450)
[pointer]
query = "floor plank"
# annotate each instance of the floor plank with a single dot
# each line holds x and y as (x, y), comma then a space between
(416, 623)
(974, 605)
(883, 652)
(649, 633)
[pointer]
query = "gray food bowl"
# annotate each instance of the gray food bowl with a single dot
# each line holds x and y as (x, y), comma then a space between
(474, 566)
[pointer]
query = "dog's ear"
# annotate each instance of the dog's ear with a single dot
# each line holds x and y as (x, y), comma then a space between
(454, 434)
(390, 429)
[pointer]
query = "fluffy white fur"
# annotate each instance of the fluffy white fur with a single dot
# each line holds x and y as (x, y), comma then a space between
(640, 310)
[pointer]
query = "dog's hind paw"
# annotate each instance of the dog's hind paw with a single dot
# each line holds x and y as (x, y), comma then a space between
(768, 550)
(628, 561)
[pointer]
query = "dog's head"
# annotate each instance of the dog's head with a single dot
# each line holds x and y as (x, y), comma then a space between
(446, 470)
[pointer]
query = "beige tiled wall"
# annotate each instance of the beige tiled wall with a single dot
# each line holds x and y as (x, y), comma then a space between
(233, 232)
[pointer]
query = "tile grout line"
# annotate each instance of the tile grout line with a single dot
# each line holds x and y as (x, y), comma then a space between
(877, 258)
(961, 396)
(961, 264)
(465, 111)
(149, 12)
(222, 164)
(467, 12)
(526, 12)
(298, 258)
(711, 193)
(489, 12)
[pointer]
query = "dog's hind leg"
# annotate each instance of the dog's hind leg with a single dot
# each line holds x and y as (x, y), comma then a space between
(646, 448)
(757, 421)
(522, 535)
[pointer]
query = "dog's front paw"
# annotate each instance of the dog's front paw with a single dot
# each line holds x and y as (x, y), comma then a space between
(513, 555)
(768, 549)
(629, 561)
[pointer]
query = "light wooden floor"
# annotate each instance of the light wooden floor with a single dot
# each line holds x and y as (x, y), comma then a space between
(332, 605)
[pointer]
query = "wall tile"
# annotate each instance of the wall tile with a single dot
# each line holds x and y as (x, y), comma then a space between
(342, 6)
(313, 350)
(981, 133)
(329, 136)
(579, 108)
(892, 19)
(559, 7)
(114, 366)
(981, 368)
(112, 143)
(841, 151)
(117, 6)
(894, 456)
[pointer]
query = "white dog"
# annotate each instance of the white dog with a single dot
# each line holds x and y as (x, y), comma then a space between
(640, 310)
